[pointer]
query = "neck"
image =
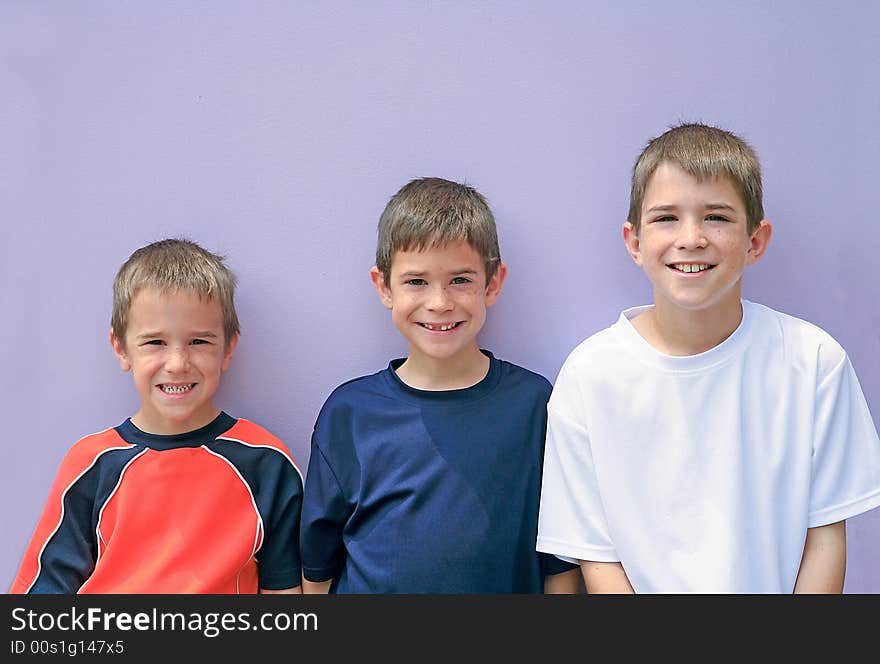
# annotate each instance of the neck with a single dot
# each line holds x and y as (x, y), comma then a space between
(680, 332)
(160, 426)
(426, 373)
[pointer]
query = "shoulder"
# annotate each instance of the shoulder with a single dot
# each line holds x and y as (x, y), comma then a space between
(801, 340)
(359, 387)
(356, 393)
(250, 436)
(600, 349)
(84, 456)
(595, 345)
(88, 448)
(250, 433)
(515, 378)
(356, 400)
(351, 409)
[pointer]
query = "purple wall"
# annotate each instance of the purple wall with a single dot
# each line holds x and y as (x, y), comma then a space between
(276, 131)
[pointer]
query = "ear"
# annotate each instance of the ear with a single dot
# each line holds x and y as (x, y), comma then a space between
(631, 240)
(228, 352)
(381, 287)
(493, 288)
(119, 350)
(759, 241)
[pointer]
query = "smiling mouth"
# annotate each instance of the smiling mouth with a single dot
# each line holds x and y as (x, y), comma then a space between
(689, 268)
(177, 389)
(440, 327)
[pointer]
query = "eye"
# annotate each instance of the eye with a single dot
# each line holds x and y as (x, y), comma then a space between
(153, 342)
(667, 217)
(416, 282)
(716, 217)
(461, 280)
(197, 342)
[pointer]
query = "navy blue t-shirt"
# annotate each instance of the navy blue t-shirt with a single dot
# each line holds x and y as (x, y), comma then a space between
(415, 491)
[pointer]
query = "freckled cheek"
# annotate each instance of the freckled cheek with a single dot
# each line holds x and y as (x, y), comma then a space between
(210, 365)
(732, 247)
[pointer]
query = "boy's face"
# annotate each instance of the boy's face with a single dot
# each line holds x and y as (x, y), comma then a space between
(175, 349)
(693, 243)
(438, 299)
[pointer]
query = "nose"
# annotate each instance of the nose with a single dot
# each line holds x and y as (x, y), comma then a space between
(177, 359)
(691, 235)
(439, 299)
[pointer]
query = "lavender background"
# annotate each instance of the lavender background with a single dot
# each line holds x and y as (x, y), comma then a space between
(276, 131)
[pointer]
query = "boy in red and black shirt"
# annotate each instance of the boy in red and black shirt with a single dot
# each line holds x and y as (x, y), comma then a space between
(181, 497)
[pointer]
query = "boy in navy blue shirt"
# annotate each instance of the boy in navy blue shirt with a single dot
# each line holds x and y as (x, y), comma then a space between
(425, 477)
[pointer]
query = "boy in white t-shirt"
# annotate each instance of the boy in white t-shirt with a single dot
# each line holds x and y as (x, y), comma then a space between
(705, 443)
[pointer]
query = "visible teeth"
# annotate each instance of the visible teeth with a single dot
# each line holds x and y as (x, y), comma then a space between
(441, 328)
(176, 389)
(690, 267)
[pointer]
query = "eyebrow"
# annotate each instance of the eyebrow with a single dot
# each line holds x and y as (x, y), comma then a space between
(414, 273)
(709, 206)
(155, 335)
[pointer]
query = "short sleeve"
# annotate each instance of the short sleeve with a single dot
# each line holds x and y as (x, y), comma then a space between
(62, 552)
(64, 547)
(846, 450)
(279, 564)
(571, 518)
(325, 511)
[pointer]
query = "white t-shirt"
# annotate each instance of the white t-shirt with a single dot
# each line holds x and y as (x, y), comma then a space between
(703, 473)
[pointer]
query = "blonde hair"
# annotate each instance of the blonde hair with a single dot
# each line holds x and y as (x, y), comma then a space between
(431, 212)
(171, 265)
(704, 152)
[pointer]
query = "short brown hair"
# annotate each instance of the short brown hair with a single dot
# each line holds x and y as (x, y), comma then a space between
(431, 212)
(704, 152)
(171, 265)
